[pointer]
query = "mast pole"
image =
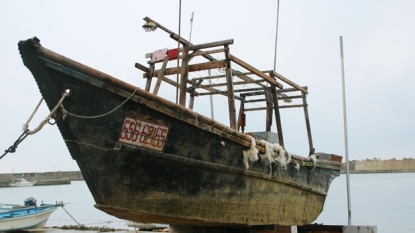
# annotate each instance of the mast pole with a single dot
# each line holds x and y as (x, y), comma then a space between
(178, 51)
(191, 26)
(276, 36)
(346, 146)
(211, 99)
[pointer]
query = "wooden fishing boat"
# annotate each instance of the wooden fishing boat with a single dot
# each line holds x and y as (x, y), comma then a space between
(149, 160)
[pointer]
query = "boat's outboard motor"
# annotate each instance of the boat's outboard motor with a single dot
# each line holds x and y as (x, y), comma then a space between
(30, 201)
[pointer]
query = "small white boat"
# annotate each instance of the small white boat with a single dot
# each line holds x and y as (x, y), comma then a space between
(21, 183)
(29, 216)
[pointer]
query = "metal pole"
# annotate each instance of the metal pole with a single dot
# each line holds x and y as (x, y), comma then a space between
(191, 27)
(346, 146)
(178, 51)
(211, 99)
(276, 36)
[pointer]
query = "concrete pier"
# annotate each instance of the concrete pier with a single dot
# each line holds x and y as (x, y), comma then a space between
(42, 178)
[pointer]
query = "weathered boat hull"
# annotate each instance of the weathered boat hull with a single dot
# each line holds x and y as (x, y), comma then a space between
(151, 160)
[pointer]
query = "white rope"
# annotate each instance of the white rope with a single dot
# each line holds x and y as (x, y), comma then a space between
(42, 123)
(70, 216)
(313, 161)
(270, 157)
(267, 158)
(26, 125)
(251, 154)
(116, 148)
(66, 111)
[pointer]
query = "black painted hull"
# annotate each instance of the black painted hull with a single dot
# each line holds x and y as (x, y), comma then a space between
(153, 161)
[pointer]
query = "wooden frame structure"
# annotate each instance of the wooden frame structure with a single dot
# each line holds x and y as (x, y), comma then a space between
(235, 75)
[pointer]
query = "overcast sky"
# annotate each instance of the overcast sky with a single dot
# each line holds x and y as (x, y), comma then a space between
(379, 52)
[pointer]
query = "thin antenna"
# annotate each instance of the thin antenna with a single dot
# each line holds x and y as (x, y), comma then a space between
(346, 146)
(191, 26)
(211, 99)
(276, 35)
(178, 51)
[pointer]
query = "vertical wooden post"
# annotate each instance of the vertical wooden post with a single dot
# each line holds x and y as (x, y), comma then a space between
(277, 115)
(149, 76)
(231, 94)
(241, 117)
(161, 74)
(307, 122)
(269, 103)
(184, 75)
(192, 96)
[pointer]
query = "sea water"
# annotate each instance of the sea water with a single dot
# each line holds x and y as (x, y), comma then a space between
(384, 200)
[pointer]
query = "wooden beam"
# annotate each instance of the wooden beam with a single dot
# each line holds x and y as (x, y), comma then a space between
(231, 93)
(277, 115)
(255, 71)
(212, 44)
(269, 102)
(149, 73)
(241, 116)
(289, 82)
(184, 76)
(247, 78)
(234, 83)
(175, 84)
(255, 109)
(307, 123)
(192, 68)
(171, 82)
(212, 77)
(160, 76)
(290, 89)
(255, 100)
(240, 90)
(292, 106)
(192, 97)
(141, 67)
(201, 53)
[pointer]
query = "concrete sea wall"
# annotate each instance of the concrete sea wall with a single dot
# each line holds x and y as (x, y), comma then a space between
(380, 166)
(42, 178)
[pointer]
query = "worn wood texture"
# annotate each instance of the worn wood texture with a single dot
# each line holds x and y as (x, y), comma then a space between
(197, 177)
(160, 76)
(194, 67)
